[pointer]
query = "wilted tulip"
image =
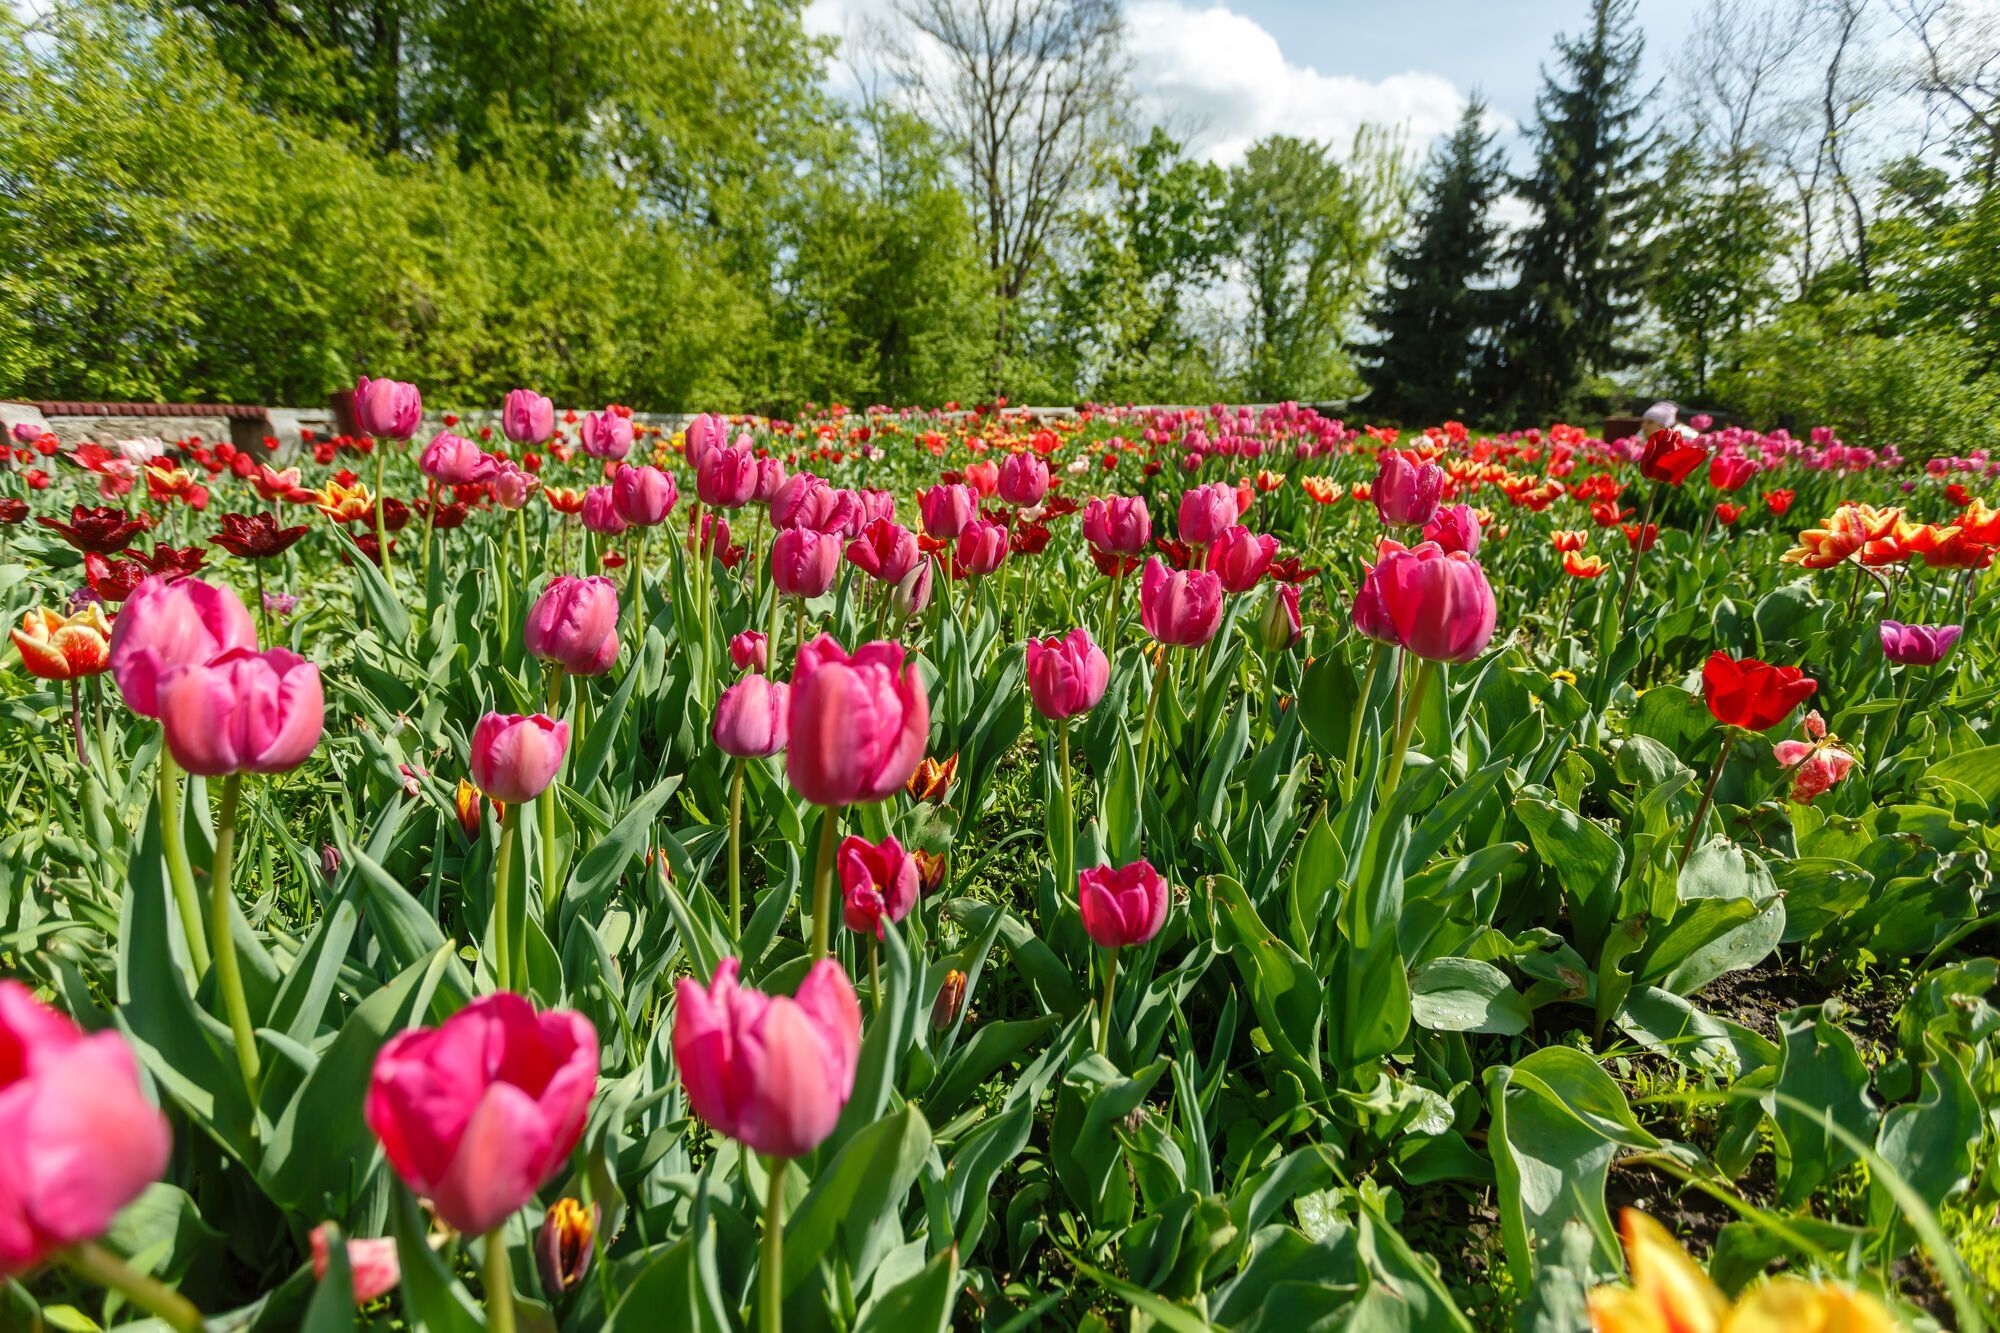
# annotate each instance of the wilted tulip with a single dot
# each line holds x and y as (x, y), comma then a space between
(242, 712)
(476, 1113)
(770, 1071)
(526, 417)
(514, 758)
(81, 1140)
(574, 623)
(388, 408)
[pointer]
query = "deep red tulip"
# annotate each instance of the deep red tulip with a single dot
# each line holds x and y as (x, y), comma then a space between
(255, 536)
(1751, 694)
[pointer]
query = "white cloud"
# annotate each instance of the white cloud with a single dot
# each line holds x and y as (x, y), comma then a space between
(1214, 77)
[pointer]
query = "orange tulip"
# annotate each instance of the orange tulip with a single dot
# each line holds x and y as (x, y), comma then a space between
(1850, 528)
(1583, 566)
(1670, 1294)
(344, 504)
(57, 647)
(1569, 539)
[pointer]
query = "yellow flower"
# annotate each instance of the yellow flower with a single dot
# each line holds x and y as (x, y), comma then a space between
(1670, 1294)
(343, 504)
(1565, 675)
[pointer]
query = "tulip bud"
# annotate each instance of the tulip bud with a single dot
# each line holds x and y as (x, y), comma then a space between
(913, 594)
(329, 862)
(567, 1241)
(950, 999)
(1280, 628)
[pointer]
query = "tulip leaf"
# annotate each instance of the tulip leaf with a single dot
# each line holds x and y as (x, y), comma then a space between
(598, 870)
(331, 1309)
(920, 1303)
(856, 1198)
(1465, 995)
(431, 1297)
(385, 608)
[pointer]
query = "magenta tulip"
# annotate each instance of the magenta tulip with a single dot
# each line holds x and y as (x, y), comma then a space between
(1439, 602)
(373, 1264)
(982, 547)
(705, 434)
(752, 718)
(606, 434)
(1207, 512)
(801, 501)
(574, 623)
(1918, 645)
(1182, 607)
(644, 495)
(1240, 558)
(514, 758)
(78, 1139)
(165, 625)
(947, 508)
(804, 561)
(477, 1113)
(726, 477)
(1024, 480)
(770, 1071)
(1122, 907)
(750, 650)
(1119, 525)
(1066, 676)
(512, 485)
(243, 712)
(600, 512)
(1406, 493)
(1280, 627)
(453, 460)
(526, 417)
(860, 723)
(878, 883)
(388, 408)
(885, 550)
(1454, 528)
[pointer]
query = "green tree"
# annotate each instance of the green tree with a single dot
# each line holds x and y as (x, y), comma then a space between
(1311, 231)
(1718, 232)
(1581, 261)
(1438, 311)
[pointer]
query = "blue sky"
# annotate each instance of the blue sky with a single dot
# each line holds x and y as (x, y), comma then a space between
(1222, 73)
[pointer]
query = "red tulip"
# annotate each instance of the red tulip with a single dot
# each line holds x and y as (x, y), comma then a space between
(1122, 907)
(749, 651)
(476, 1113)
(255, 536)
(1751, 694)
(1454, 528)
(878, 882)
(101, 530)
(1670, 458)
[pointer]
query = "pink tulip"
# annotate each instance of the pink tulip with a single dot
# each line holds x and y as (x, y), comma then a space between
(770, 479)
(947, 509)
(726, 477)
(514, 758)
(877, 504)
(1206, 512)
(752, 718)
(477, 1113)
(984, 478)
(1406, 493)
(606, 434)
(1119, 525)
(1182, 608)
(982, 547)
(705, 434)
(769, 1071)
(878, 882)
(801, 501)
(1454, 528)
(860, 724)
(243, 712)
(574, 623)
(913, 593)
(78, 1139)
(804, 561)
(1371, 616)
(1122, 907)
(512, 485)
(1066, 676)
(750, 650)
(885, 550)
(164, 625)
(1240, 557)
(1815, 767)
(374, 1263)
(644, 495)
(453, 460)
(600, 512)
(526, 417)
(388, 408)
(1024, 480)
(1439, 602)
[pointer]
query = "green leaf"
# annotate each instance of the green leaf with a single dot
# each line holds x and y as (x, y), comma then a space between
(857, 1197)
(1464, 995)
(920, 1302)
(1588, 863)
(331, 1309)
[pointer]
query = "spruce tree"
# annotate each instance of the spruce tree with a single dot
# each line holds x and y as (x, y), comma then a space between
(1581, 263)
(1437, 312)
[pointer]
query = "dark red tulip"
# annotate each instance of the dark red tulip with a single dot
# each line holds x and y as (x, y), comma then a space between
(255, 536)
(100, 528)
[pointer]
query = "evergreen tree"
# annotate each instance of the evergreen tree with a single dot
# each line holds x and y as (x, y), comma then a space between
(1581, 263)
(1437, 313)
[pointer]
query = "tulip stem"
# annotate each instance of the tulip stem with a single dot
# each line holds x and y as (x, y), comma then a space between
(771, 1268)
(1707, 799)
(875, 973)
(107, 1270)
(1160, 674)
(503, 931)
(736, 853)
(635, 591)
(381, 523)
(430, 524)
(546, 802)
(76, 721)
(174, 846)
(1066, 867)
(1375, 656)
(499, 1283)
(222, 936)
(1895, 716)
(1405, 725)
(1104, 1010)
(829, 830)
